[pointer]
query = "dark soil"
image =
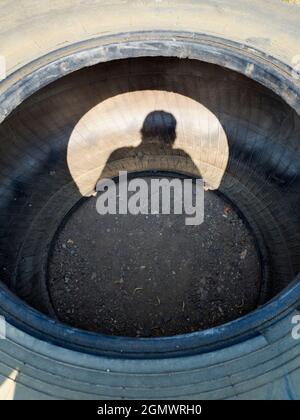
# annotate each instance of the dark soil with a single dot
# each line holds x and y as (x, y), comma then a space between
(151, 275)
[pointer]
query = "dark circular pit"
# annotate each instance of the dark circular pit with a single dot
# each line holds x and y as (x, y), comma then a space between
(152, 275)
(192, 118)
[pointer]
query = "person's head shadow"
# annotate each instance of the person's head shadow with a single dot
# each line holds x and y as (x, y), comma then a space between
(159, 127)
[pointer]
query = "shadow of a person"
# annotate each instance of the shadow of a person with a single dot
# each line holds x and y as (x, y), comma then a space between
(158, 135)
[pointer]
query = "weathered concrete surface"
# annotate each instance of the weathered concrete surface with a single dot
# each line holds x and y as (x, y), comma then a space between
(33, 28)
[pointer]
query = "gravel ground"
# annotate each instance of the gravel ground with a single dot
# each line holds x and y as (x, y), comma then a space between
(151, 275)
